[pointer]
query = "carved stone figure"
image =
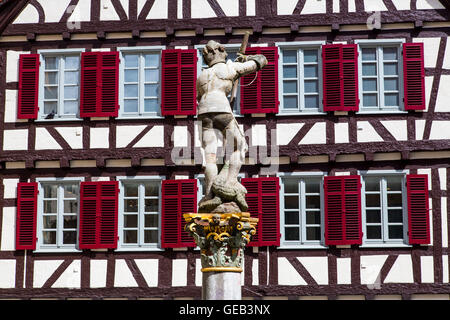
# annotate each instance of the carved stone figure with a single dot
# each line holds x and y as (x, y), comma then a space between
(214, 111)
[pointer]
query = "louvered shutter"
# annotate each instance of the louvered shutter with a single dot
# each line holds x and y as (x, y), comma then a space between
(413, 76)
(26, 215)
(99, 84)
(418, 209)
(179, 75)
(342, 210)
(27, 105)
(340, 77)
(261, 95)
(178, 197)
(263, 203)
(98, 215)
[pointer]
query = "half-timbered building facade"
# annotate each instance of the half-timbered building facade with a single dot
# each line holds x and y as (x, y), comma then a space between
(348, 129)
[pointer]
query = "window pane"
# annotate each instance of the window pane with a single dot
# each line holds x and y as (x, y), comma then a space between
(70, 206)
(372, 184)
(51, 63)
(71, 92)
(369, 85)
(370, 100)
(151, 205)
(312, 186)
(131, 76)
(49, 237)
(313, 202)
(51, 93)
(369, 69)
(290, 71)
(72, 62)
(395, 215)
(395, 232)
(313, 233)
(151, 189)
(50, 107)
(131, 60)
(70, 222)
(71, 77)
(290, 86)
(369, 54)
(151, 221)
(290, 102)
(50, 206)
(390, 54)
(151, 236)
(394, 183)
(290, 186)
(310, 55)
(152, 75)
(311, 101)
(310, 71)
(395, 200)
(373, 216)
(131, 205)
(151, 90)
(291, 202)
(70, 107)
(70, 190)
(290, 56)
(151, 60)
(130, 236)
(391, 99)
(131, 90)
(49, 222)
(373, 232)
(131, 190)
(151, 105)
(131, 105)
(313, 217)
(69, 237)
(391, 84)
(130, 221)
(292, 233)
(372, 200)
(390, 69)
(291, 217)
(51, 78)
(311, 86)
(50, 190)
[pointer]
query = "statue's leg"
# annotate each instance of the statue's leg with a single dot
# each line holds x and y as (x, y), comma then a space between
(235, 143)
(209, 143)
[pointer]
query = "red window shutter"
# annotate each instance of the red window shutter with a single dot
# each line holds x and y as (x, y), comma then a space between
(98, 215)
(178, 197)
(26, 215)
(27, 107)
(261, 96)
(413, 76)
(418, 209)
(178, 78)
(342, 210)
(263, 201)
(340, 77)
(99, 84)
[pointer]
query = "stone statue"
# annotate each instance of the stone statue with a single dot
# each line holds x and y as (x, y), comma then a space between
(223, 191)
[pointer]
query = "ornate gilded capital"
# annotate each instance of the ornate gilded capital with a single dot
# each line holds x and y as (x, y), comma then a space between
(221, 238)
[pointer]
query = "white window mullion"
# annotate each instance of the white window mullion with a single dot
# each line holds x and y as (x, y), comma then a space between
(302, 210)
(60, 216)
(380, 62)
(384, 218)
(141, 218)
(301, 80)
(141, 87)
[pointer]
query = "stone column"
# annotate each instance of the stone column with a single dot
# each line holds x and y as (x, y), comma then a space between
(222, 238)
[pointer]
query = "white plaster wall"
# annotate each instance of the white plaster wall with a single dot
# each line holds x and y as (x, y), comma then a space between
(402, 4)
(198, 273)
(107, 11)
(398, 128)
(179, 8)
(44, 141)
(99, 138)
(314, 6)
(420, 128)
(72, 135)
(149, 270)
(401, 271)
(255, 272)
(98, 273)
(287, 131)
(201, 9)
(153, 138)
(444, 224)
(251, 10)
(125, 134)
(123, 276)
(374, 5)
(341, 132)
(16, 139)
(160, 10)
(8, 273)
(53, 9)
(429, 4)
(286, 6)
(317, 267)
(430, 49)
(71, 277)
(317, 134)
(443, 178)
(426, 269)
(443, 95)
(428, 173)
(229, 7)
(82, 12)
(11, 97)
(287, 275)
(336, 6)
(28, 15)
(179, 272)
(440, 130)
(366, 133)
(351, 6)
(446, 64)
(12, 65)
(344, 266)
(445, 269)
(42, 270)
(371, 267)
(428, 87)
(259, 137)
(10, 188)
(180, 136)
(8, 236)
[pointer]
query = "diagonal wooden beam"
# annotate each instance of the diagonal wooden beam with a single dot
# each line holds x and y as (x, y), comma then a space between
(57, 273)
(146, 9)
(298, 266)
(67, 13)
(446, 4)
(299, 7)
(217, 8)
(140, 280)
(119, 9)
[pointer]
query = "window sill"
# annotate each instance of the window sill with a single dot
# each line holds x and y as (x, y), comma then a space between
(286, 113)
(57, 250)
(136, 117)
(134, 249)
(58, 119)
(382, 112)
(385, 245)
(302, 246)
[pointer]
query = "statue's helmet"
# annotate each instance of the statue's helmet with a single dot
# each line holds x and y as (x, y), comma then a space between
(214, 53)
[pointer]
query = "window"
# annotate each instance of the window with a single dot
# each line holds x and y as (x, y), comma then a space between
(384, 208)
(301, 205)
(58, 214)
(301, 81)
(60, 87)
(140, 84)
(381, 77)
(139, 220)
